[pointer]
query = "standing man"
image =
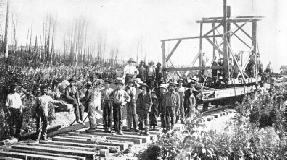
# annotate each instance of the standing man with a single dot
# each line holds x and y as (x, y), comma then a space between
(72, 97)
(162, 109)
(108, 106)
(14, 109)
(158, 74)
(171, 102)
(142, 71)
(180, 110)
(131, 107)
(120, 98)
(130, 71)
(150, 74)
(154, 111)
(91, 107)
(144, 103)
(42, 108)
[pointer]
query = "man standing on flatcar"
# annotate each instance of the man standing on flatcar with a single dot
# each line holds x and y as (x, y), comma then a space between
(130, 71)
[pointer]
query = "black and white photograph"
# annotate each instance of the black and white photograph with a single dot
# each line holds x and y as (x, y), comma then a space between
(143, 80)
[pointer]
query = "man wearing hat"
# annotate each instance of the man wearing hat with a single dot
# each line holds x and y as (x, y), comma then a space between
(72, 97)
(171, 102)
(142, 71)
(144, 103)
(189, 101)
(120, 98)
(131, 106)
(150, 74)
(130, 71)
(107, 106)
(14, 109)
(162, 109)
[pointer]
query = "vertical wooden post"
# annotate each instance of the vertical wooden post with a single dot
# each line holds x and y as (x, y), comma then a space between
(225, 50)
(6, 32)
(200, 45)
(163, 59)
(163, 54)
(213, 39)
(254, 44)
(228, 28)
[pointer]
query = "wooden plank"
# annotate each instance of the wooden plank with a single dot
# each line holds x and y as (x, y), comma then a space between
(31, 156)
(86, 141)
(129, 141)
(144, 139)
(88, 155)
(96, 146)
(46, 153)
(68, 129)
(9, 158)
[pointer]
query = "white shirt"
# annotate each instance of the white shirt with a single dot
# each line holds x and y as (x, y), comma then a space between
(130, 70)
(14, 101)
(96, 97)
(43, 101)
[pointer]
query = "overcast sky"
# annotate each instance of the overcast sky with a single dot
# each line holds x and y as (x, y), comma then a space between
(128, 23)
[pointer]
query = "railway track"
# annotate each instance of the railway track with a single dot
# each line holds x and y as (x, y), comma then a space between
(80, 145)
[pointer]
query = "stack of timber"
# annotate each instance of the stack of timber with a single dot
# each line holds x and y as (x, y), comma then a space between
(80, 145)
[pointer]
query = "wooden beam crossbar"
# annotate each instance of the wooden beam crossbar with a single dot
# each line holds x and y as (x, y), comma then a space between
(174, 48)
(238, 20)
(187, 38)
(192, 68)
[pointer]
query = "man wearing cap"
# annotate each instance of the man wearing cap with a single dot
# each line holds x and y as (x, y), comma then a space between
(72, 97)
(120, 98)
(107, 106)
(14, 109)
(171, 102)
(130, 71)
(131, 106)
(150, 74)
(144, 103)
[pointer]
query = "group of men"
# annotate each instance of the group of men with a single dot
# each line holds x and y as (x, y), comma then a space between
(140, 92)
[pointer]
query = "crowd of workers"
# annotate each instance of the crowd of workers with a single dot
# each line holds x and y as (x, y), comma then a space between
(140, 91)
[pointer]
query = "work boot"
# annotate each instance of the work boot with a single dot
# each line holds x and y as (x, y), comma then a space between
(120, 133)
(90, 130)
(146, 131)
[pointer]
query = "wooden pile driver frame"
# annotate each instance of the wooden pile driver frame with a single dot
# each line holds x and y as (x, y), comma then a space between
(225, 22)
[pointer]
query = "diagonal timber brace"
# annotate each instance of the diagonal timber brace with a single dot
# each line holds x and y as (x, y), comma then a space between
(174, 48)
(242, 30)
